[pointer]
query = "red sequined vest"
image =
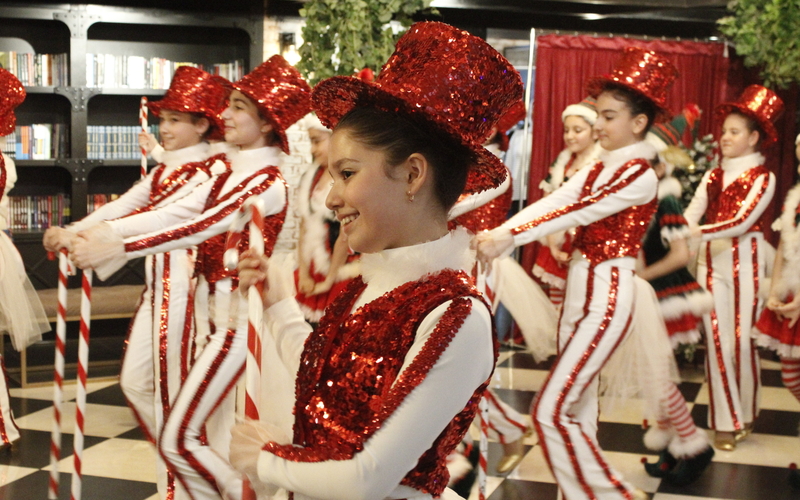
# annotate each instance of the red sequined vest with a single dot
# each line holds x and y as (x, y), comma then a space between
(620, 234)
(724, 204)
(209, 253)
(487, 216)
(3, 176)
(348, 384)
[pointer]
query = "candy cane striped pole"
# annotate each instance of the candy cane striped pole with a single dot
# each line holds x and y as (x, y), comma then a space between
(252, 212)
(83, 362)
(143, 123)
(483, 407)
(58, 375)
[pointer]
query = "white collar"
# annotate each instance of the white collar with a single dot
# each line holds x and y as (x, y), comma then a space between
(383, 271)
(742, 163)
(618, 157)
(216, 148)
(255, 159)
(174, 159)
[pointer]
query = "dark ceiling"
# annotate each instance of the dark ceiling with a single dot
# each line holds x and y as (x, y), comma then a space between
(672, 18)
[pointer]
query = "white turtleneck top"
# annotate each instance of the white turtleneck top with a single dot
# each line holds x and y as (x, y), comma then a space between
(138, 195)
(732, 169)
(395, 448)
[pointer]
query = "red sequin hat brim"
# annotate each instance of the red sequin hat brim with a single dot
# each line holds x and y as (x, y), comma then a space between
(335, 97)
(596, 85)
(13, 93)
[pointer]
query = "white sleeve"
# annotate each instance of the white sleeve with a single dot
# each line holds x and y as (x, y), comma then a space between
(756, 201)
(565, 208)
(472, 201)
(395, 448)
(287, 325)
(697, 207)
(216, 220)
(134, 198)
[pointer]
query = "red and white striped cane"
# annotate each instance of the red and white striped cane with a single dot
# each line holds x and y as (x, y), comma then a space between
(83, 367)
(483, 408)
(143, 123)
(252, 213)
(58, 375)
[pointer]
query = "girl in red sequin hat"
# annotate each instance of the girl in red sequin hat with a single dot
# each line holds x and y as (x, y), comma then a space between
(777, 328)
(730, 201)
(262, 105)
(390, 380)
(611, 203)
(22, 316)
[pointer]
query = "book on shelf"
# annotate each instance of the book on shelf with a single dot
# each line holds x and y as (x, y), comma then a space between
(115, 142)
(40, 141)
(37, 213)
(41, 70)
(137, 72)
(95, 201)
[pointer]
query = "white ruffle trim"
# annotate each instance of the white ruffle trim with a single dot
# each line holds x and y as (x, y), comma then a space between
(548, 278)
(783, 350)
(684, 338)
(21, 312)
(697, 303)
(675, 233)
(790, 242)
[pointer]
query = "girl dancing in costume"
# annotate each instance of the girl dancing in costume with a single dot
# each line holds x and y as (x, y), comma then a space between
(778, 328)
(582, 150)
(263, 104)
(21, 313)
(611, 204)
(391, 378)
(729, 202)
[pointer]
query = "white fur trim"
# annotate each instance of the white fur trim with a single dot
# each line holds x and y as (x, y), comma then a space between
(579, 110)
(790, 240)
(618, 157)
(657, 439)
(696, 444)
(656, 142)
(697, 303)
(548, 278)
(675, 233)
(684, 338)
(669, 186)
(783, 350)
(310, 121)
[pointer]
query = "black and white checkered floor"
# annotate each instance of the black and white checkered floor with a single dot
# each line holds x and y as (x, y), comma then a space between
(118, 462)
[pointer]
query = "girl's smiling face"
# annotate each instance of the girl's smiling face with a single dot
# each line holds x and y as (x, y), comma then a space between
(320, 141)
(180, 130)
(370, 203)
(737, 139)
(243, 125)
(616, 127)
(578, 134)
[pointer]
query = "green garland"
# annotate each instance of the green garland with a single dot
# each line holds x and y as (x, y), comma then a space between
(766, 34)
(342, 37)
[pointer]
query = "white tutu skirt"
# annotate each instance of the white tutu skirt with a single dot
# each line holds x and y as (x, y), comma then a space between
(644, 362)
(21, 313)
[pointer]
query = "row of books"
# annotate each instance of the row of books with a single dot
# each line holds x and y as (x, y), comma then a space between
(37, 142)
(95, 201)
(37, 213)
(37, 69)
(136, 72)
(114, 142)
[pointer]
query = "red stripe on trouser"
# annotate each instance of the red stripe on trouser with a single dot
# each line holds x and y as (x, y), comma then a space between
(582, 472)
(790, 374)
(713, 343)
(504, 418)
(737, 311)
(755, 366)
(8, 428)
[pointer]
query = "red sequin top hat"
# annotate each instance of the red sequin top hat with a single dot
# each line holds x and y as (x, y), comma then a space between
(12, 93)
(762, 105)
(445, 77)
(279, 93)
(644, 72)
(192, 90)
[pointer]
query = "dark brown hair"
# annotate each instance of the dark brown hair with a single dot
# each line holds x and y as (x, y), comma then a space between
(637, 103)
(399, 137)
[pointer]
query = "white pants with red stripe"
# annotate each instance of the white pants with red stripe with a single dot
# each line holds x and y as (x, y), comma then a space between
(595, 319)
(732, 269)
(208, 388)
(9, 432)
(505, 422)
(158, 351)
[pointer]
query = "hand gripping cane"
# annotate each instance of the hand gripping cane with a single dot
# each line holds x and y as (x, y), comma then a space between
(252, 212)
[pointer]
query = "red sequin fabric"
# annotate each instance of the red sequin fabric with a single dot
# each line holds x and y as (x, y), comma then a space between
(209, 253)
(487, 216)
(724, 204)
(12, 93)
(3, 176)
(449, 79)
(620, 234)
(349, 380)
(760, 104)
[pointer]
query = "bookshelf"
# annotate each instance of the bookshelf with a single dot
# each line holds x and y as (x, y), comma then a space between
(113, 56)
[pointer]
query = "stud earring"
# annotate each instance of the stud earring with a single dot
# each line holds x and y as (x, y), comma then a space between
(410, 196)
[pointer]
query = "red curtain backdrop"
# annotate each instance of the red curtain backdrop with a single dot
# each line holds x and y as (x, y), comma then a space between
(708, 77)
